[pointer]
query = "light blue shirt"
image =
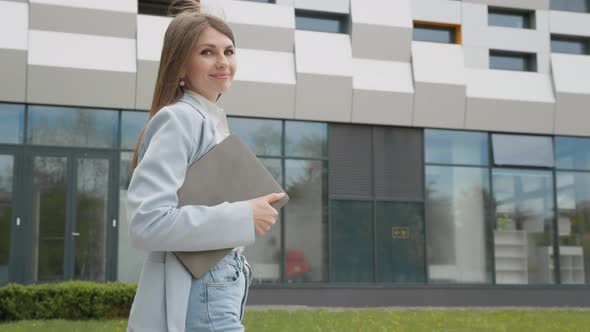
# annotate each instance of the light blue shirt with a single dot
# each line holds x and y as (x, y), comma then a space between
(175, 137)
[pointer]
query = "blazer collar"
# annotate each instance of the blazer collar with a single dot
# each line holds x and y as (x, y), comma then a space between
(210, 110)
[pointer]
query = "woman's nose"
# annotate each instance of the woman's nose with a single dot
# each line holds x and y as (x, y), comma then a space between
(221, 62)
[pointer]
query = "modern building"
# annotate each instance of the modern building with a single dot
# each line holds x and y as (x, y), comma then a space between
(436, 152)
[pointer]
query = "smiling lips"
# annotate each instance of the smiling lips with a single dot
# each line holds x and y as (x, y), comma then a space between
(220, 76)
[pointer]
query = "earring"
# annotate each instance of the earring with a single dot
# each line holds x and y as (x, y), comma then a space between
(181, 82)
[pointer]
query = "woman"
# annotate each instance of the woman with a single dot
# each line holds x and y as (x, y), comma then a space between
(197, 65)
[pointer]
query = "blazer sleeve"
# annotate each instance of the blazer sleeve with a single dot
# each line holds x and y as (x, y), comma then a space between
(156, 221)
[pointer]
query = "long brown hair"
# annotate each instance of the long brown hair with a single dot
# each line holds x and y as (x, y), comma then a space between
(179, 40)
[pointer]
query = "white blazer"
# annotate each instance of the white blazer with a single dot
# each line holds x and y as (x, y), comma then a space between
(175, 137)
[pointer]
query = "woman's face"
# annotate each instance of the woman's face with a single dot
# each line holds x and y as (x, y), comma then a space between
(212, 64)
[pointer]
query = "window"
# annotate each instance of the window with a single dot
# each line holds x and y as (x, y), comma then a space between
(131, 125)
(456, 147)
(522, 150)
(507, 60)
(523, 229)
(12, 123)
(262, 136)
(437, 32)
(295, 153)
(318, 21)
(570, 44)
(574, 226)
(572, 153)
(582, 6)
(511, 18)
(457, 206)
(153, 7)
(66, 126)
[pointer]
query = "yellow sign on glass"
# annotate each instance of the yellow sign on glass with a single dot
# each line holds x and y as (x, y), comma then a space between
(400, 232)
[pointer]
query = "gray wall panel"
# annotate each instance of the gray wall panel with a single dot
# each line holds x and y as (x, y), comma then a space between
(80, 87)
(323, 98)
(147, 73)
(381, 42)
(439, 105)
(275, 38)
(82, 20)
(509, 116)
(382, 107)
(244, 98)
(13, 66)
(572, 115)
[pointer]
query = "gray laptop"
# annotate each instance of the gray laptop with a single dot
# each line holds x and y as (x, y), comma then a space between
(228, 172)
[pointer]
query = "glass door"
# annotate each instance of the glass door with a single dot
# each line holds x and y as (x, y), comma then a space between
(9, 219)
(69, 214)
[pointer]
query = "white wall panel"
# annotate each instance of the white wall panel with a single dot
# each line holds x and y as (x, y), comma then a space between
(383, 92)
(262, 76)
(71, 50)
(335, 6)
(14, 24)
(439, 75)
(263, 14)
(129, 6)
(150, 36)
(265, 66)
(512, 101)
(381, 29)
(251, 20)
(571, 80)
(526, 4)
(569, 23)
(478, 35)
(324, 76)
(441, 11)
(323, 53)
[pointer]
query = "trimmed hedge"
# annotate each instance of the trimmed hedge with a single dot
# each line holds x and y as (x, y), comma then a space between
(73, 300)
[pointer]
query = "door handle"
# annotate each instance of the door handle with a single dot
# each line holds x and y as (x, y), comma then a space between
(75, 234)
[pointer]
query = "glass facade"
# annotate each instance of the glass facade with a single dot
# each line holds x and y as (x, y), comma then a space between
(295, 153)
(369, 204)
(458, 206)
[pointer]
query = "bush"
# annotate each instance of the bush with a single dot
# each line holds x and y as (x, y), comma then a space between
(74, 300)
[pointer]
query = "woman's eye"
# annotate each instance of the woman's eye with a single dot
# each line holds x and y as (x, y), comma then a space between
(206, 52)
(229, 52)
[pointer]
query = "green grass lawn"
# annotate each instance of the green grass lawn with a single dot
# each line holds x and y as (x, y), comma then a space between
(458, 320)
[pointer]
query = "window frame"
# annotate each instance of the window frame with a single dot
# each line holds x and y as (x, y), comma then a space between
(585, 41)
(342, 19)
(528, 17)
(456, 32)
(530, 59)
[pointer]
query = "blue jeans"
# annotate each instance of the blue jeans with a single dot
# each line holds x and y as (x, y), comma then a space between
(217, 300)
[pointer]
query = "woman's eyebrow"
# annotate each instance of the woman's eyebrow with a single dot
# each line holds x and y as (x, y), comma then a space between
(214, 46)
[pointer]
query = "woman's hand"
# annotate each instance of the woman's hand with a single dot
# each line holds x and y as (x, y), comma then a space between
(264, 215)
